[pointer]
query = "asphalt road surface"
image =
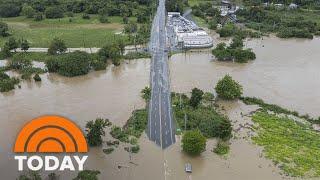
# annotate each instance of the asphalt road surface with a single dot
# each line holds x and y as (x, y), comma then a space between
(161, 126)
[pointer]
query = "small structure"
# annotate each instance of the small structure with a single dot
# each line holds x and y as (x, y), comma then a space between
(188, 168)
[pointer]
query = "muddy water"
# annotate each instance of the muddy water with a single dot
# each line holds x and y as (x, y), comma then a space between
(284, 73)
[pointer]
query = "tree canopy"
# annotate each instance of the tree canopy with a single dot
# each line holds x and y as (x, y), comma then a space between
(229, 89)
(193, 142)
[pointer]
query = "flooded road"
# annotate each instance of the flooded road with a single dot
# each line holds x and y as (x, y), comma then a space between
(285, 73)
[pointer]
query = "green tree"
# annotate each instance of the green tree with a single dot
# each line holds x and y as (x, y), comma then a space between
(196, 97)
(24, 45)
(9, 9)
(57, 46)
(87, 175)
(95, 131)
(229, 89)
(4, 29)
(193, 142)
(54, 12)
(28, 11)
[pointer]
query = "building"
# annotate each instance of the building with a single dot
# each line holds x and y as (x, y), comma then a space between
(186, 34)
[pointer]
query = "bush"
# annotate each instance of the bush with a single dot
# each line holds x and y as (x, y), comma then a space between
(103, 19)
(98, 65)
(108, 150)
(52, 64)
(85, 16)
(4, 29)
(95, 131)
(74, 64)
(8, 84)
(19, 62)
(37, 77)
(196, 97)
(146, 93)
(57, 46)
(38, 17)
(9, 10)
(54, 12)
(222, 148)
(193, 142)
(87, 175)
(28, 11)
(228, 89)
(219, 127)
(133, 149)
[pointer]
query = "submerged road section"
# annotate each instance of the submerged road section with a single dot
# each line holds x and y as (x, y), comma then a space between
(161, 126)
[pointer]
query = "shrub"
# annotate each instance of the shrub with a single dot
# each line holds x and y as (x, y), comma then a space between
(37, 77)
(57, 46)
(8, 84)
(9, 10)
(4, 29)
(108, 150)
(28, 11)
(54, 12)
(219, 126)
(74, 64)
(95, 131)
(38, 16)
(196, 97)
(52, 64)
(103, 19)
(146, 93)
(87, 175)
(133, 149)
(228, 89)
(222, 148)
(98, 65)
(85, 16)
(19, 62)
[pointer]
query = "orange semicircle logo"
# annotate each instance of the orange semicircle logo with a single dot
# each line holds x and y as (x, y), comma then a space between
(50, 134)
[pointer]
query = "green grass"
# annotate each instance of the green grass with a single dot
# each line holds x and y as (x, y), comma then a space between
(77, 33)
(293, 146)
(196, 2)
(199, 21)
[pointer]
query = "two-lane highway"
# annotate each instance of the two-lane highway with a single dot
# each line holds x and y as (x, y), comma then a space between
(161, 127)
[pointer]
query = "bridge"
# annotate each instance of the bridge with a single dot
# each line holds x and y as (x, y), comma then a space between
(161, 126)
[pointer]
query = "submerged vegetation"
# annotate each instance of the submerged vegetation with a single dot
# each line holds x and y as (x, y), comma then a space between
(285, 22)
(277, 109)
(234, 52)
(222, 148)
(293, 146)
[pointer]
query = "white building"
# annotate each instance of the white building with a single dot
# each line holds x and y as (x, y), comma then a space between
(187, 33)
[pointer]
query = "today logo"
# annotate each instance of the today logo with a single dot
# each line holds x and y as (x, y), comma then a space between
(50, 134)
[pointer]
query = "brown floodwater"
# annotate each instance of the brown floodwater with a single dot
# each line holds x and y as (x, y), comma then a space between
(285, 73)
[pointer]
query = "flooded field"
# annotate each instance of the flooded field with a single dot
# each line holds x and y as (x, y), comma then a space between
(286, 72)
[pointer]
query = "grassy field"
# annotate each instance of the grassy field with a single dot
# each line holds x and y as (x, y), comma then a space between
(76, 32)
(293, 146)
